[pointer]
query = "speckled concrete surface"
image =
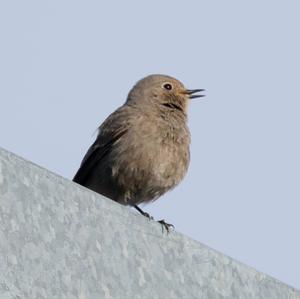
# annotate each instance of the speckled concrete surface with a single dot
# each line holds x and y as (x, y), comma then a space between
(59, 240)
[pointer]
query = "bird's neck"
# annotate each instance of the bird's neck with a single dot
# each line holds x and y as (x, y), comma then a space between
(173, 108)
(170, 108)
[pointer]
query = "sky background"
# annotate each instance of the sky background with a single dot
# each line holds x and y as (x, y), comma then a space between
(66, 65)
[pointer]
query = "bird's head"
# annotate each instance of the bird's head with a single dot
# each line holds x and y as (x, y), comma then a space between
(162, 91)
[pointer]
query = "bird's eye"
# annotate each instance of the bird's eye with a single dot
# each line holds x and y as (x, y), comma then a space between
(168, 86)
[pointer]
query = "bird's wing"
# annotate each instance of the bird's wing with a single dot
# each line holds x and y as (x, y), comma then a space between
(109, 133)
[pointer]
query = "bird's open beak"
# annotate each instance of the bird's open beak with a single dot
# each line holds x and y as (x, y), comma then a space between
(193, 93)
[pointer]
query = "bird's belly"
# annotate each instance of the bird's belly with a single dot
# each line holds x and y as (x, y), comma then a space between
(148, 176)
(169, 170)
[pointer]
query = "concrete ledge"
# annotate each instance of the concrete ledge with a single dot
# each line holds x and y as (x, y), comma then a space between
(60, 240)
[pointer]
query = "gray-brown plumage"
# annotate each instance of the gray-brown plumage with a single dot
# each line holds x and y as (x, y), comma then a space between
(142, 149)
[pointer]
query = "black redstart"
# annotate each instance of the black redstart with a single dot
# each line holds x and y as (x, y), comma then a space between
(142, 149)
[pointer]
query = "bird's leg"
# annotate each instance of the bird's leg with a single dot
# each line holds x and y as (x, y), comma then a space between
(165, 225)
(143, 213)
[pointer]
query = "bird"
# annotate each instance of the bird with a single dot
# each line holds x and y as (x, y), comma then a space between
(142, 149)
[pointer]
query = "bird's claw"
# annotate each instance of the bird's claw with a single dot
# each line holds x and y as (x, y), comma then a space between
(165, 225)
(143, 213)
(148, 216)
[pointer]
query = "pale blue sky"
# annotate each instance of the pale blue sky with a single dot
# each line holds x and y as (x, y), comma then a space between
(65, 65)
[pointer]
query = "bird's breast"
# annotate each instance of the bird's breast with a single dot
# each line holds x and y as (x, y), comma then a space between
(163, 149)
(151, 158)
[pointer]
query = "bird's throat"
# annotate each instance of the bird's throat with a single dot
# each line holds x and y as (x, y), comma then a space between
(173, 106)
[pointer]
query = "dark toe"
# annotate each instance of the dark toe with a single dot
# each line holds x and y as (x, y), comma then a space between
(148, 216)
(166, 225)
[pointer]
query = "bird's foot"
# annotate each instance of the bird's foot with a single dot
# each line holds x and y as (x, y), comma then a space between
(143, 213)
(147, 215)
(165, 225)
